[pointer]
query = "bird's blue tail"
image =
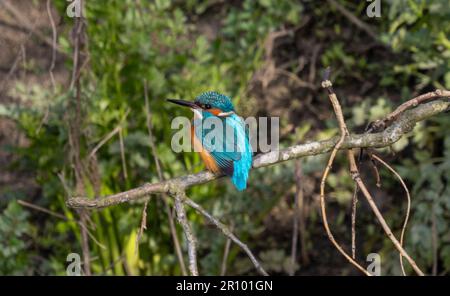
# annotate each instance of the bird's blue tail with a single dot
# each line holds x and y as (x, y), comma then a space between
(243, 165)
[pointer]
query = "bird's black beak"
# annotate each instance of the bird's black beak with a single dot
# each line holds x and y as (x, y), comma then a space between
(184, 103)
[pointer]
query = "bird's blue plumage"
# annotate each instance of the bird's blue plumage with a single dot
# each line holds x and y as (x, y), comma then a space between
(228, 145)
(244, 164)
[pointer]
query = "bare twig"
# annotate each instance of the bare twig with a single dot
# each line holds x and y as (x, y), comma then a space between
(109, 135)
(148, 115)
(42, 209)
(356, 177)
(298, 228)
(227, 232)
(122, 154)
(60, 216)
(408, 205)
(75, 127)
(375, 171)
(223, 269)
(54, 37)
(30, 27)
(85, 243)
(382, 123)
(143, 225)
(295, 226)
(354, 207)
(299, 82)
(434, 241)
(343, 133)
(366, 193)
(19, 56)
(77, 31)
(353, 19)
(158, 165)
(191, 241)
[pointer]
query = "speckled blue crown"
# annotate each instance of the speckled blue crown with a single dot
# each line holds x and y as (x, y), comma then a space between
(216, 100)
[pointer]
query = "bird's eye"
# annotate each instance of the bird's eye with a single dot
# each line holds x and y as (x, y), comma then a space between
(207, 106)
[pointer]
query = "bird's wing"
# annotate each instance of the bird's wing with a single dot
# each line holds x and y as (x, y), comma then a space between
(224, 144)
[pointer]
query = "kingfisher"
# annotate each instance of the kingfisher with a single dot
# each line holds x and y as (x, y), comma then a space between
(225, 150)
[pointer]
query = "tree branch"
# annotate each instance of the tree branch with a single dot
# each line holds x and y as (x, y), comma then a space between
(408, 203)
(179, 197)
(398, 125)
(403, 124)
(354, 171)
(343, 134)
(227, 232)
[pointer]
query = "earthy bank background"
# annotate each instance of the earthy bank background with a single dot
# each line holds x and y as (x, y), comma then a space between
(268, 56)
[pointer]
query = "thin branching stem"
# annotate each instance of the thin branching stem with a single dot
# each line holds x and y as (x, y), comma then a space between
(408, 203)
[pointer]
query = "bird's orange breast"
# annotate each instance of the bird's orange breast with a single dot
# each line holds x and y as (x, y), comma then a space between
(209, 161)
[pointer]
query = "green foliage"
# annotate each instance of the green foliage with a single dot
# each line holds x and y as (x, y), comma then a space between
(419, 27)
(431, 192)
(14, 226)
(182, 48)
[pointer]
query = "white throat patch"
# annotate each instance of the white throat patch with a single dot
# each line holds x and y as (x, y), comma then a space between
(197, 113)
